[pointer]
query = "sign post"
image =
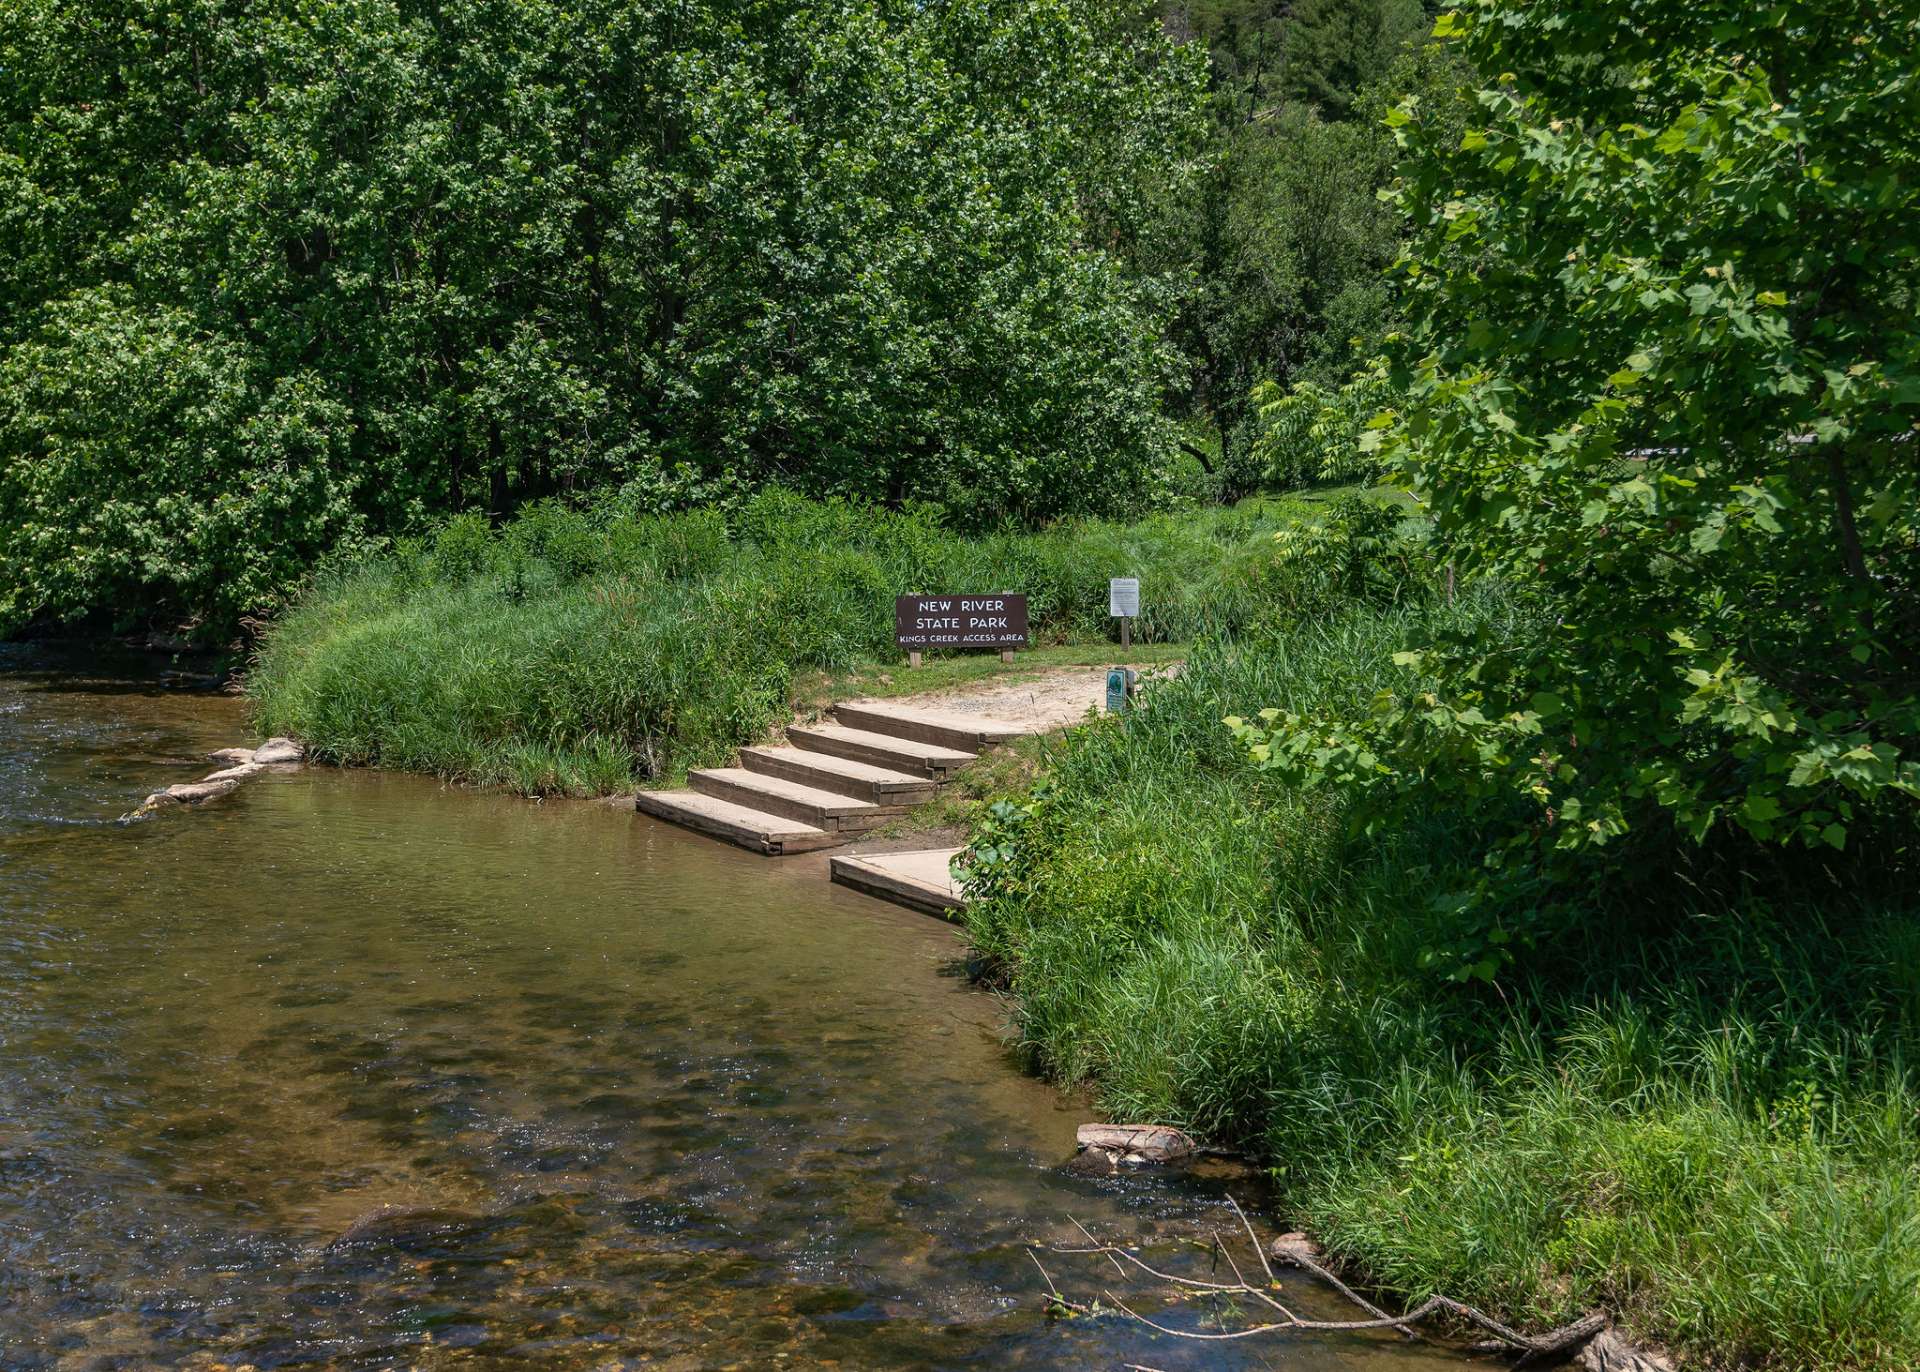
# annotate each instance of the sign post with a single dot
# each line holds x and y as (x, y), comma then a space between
(960, 621)
(1123, 604)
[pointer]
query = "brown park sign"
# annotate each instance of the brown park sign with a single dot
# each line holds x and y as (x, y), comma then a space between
(960, 621)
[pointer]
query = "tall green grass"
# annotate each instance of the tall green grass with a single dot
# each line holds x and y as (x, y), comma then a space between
(1701, 1113)
(571, 651)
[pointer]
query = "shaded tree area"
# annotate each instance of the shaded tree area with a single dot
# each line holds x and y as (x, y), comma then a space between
(277, 279)
(1288, 234)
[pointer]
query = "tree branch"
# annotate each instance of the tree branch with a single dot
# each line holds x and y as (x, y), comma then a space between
(1197, 455)
(1532, 1348)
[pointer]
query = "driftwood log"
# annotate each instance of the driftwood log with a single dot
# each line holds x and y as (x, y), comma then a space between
(237, 764)
(1117, 1145)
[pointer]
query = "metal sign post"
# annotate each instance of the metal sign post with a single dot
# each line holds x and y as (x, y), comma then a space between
(1123, 604)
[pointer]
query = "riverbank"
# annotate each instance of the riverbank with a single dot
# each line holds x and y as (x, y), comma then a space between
(1694, 1110)
(1701, 1115)
(582, 653)
(345, 1069)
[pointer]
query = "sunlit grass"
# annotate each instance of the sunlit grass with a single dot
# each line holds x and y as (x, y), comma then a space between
(577, 653)
(1706, 1120)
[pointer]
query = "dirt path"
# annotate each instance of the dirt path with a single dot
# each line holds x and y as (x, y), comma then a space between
(1048, 699)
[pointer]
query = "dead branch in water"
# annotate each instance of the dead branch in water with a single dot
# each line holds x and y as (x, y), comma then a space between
(1277, 1318)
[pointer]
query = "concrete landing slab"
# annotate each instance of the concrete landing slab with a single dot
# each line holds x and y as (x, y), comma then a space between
(920, 880)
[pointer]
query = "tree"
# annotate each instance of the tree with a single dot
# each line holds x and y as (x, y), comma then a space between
(1666, 284)
(1288, 240)
(1338, 48)
(494, 251)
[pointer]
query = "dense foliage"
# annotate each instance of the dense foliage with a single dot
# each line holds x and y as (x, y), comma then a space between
(1669, 284)
(1286, 235)
(576, 651)
(1709, 1131)
(1311, 432)
(274, 276)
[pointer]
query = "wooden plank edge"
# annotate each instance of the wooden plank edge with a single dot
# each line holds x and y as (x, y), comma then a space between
(853, 873)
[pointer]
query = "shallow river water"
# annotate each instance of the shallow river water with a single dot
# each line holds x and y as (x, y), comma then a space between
(351, 1070)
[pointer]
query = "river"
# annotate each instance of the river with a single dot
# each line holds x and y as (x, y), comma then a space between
(354, 1070)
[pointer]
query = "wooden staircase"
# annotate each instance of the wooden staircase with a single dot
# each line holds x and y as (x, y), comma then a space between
(830, 782)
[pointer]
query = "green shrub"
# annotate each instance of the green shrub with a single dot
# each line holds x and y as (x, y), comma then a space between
(463, 547)
(1707, 1120)
(1685, 439)
(144, 462)
(1311, 433)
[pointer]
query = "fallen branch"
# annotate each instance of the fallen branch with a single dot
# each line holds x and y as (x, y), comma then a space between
(1534, 1350)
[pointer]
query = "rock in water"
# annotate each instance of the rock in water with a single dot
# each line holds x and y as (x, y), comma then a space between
(233, 757)
(1132, 1144)
(239, 773)
(279, 750)
(1292, 1247)
(403, 1226)
(200, 792)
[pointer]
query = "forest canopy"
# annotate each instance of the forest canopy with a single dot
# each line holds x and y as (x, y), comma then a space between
(279, 279)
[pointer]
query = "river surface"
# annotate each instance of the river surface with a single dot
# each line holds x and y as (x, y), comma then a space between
(353, 1070)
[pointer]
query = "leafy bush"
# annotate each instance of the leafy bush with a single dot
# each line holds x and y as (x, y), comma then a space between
(1683, 439)
(1309, 433)
(273, 276)
(141, 457)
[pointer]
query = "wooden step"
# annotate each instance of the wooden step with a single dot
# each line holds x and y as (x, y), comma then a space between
(722, 819)
(879, 750)
(968, 732)
(827, 810)
(920, 881)
(843, 776)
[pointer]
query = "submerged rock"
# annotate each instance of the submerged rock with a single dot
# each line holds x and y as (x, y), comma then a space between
(1116, 1145)
(239, 773)
(402, 1226)
(199, 792)
(279, 750)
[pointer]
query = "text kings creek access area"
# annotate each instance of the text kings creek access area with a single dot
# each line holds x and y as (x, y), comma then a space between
(960, 621)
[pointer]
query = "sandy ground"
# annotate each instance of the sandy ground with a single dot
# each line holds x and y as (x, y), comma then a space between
(1046, 700)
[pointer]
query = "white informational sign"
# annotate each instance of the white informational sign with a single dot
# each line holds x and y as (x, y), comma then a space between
(1123, 597)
